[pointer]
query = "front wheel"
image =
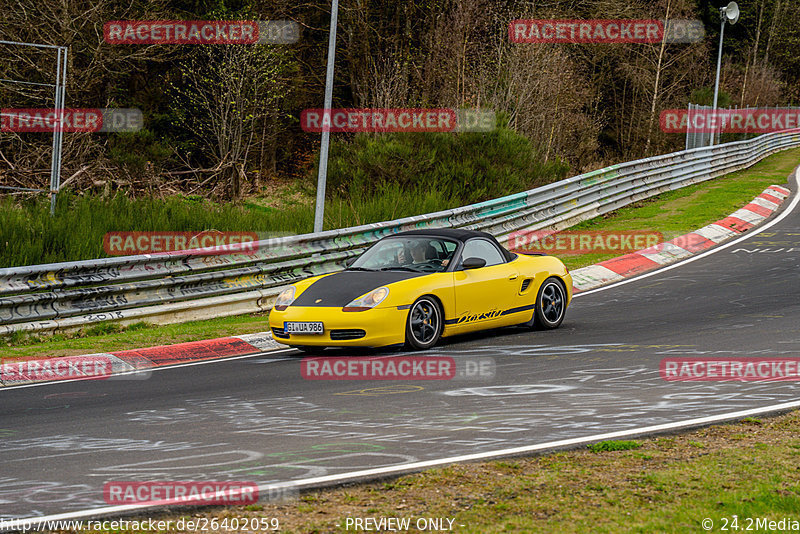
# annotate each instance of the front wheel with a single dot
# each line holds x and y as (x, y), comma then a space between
(425, 323)
(551, 304)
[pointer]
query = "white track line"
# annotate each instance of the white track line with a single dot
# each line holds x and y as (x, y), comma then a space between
(416, 466)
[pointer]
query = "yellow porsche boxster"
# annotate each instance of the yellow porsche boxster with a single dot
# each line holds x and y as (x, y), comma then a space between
(415, 287)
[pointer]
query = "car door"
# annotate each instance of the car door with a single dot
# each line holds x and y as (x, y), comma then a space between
(483, 294)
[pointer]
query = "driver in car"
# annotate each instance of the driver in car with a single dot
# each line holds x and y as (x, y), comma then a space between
(416, 253)
(418, 248)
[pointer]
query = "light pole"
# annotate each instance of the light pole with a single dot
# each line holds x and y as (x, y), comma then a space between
(728, 13)
(319, 212)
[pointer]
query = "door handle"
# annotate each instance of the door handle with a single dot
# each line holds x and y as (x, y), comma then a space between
(512, 277)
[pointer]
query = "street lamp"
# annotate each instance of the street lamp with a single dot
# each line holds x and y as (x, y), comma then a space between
(322, 175)
(729, 13)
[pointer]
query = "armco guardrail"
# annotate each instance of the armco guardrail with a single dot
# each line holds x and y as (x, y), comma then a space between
(178, 287)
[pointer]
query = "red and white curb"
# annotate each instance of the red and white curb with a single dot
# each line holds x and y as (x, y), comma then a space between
(209, 349)
(738, 222)
(131, 363)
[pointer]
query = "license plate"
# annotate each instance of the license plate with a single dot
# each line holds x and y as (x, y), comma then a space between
(305, 327)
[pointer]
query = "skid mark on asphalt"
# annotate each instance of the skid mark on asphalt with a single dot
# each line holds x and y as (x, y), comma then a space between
(384, 390)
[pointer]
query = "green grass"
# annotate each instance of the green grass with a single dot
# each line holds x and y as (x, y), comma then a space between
(30, 236)
(607, 446)
(681, 211)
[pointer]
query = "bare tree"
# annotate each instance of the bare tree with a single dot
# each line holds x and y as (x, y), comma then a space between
(388, 86)
(226, 92)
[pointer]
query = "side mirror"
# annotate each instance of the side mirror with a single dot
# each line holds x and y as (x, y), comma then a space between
(473, 263)
(350, 261)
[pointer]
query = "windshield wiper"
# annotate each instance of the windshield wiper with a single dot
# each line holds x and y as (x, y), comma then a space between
(358, 269)
(399, 268)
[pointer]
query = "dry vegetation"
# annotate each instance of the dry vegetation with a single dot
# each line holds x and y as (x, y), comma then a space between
(221, 121)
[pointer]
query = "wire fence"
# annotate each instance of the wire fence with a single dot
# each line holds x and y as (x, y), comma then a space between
(704, 136)
(59, 94)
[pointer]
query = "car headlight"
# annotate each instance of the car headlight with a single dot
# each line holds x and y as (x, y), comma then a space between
(368, 301)
(285, 298)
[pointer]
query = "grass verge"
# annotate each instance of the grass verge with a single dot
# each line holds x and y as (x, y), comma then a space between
(746, 470)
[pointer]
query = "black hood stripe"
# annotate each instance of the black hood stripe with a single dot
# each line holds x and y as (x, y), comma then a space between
(339, 289)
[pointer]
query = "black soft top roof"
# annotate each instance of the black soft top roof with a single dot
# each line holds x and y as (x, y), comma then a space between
(457, 234)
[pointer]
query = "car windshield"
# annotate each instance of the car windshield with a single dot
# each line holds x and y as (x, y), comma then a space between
(413, 253)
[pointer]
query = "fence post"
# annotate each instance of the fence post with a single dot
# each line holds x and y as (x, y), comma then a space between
(58, 132)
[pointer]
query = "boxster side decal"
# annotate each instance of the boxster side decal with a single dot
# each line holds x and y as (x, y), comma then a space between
(471, 318)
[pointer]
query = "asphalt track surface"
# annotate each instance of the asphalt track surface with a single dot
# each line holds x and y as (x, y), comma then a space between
(256, 418)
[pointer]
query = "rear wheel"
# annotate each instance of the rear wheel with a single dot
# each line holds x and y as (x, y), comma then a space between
(551, 304)
(425, 323)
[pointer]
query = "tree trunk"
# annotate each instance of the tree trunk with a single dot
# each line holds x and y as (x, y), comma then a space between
(656, 88)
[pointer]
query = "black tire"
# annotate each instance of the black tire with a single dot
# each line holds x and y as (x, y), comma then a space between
(551, 304)
(424, 324)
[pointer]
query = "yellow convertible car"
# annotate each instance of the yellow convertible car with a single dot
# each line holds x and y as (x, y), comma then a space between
(415, 287)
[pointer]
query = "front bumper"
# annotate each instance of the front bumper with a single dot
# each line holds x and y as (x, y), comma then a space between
(380, 326)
